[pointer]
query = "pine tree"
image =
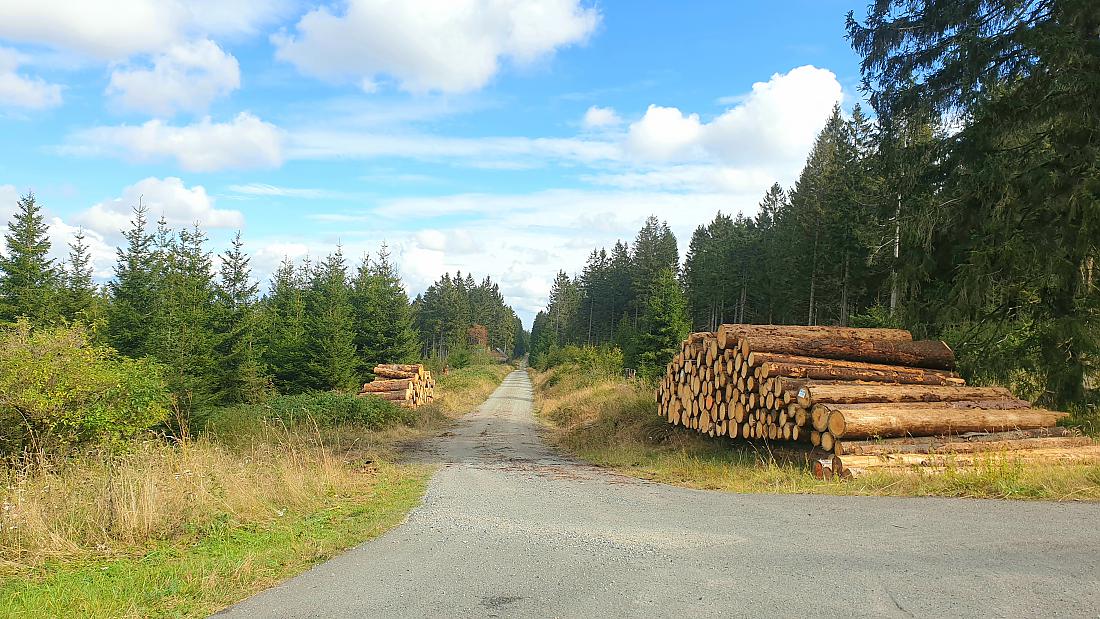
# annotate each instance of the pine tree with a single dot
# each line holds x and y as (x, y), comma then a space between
(664, 325)
(383, 316)
(332, 362)
(1017, 223)
(81, 299)
(240, 374)
(29, 281)
(284, 329)
(654, 251)
(133, 289)
(181, 332)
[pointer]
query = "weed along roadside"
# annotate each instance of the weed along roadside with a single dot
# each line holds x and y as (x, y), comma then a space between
(266, 491)
(594, 413)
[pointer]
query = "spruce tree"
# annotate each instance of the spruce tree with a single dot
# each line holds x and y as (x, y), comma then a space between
(664, 325)
(284, 329)
(80, 295)
(384, 331)
(240, 373)
(182, 335)
(330, 327)
(133, 289)
(29, 281)
(1017, 227)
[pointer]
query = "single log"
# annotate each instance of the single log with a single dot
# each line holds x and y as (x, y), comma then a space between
(743, 330)
(756, 358)
(873, 448)
(1003, 404)
(1085, 454)
(852, 394)
(930, 421)
(880, 374)
(925, 354)
(383, 372)
(389, 385)
(393, 396)
(400, 367)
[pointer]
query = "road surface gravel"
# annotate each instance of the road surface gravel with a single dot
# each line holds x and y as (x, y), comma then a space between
(511, 528)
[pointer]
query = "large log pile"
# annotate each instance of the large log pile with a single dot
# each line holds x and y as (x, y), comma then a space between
(845, 392)
(408, 385)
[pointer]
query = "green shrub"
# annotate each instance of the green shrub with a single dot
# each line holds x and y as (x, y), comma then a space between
(324, 408)
(598, 361)
(58, 391)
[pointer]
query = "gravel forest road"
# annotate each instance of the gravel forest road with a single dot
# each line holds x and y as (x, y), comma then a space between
(511, 528)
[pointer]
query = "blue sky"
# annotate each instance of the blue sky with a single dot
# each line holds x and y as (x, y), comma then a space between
(502, 137)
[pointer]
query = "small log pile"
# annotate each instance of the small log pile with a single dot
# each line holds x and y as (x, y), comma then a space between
(854, 396)
(408, 385)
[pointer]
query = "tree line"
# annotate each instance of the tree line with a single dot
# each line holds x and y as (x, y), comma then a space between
(447, 309)
(967, 208)
(322, 324)
(628, 297)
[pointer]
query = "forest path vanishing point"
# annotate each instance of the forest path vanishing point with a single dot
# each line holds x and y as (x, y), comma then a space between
(509, 527)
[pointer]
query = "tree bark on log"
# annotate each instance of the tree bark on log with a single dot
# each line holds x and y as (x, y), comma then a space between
(414, 368)
(924, 354)
(389, 385)
(942, 445)
(845, 422)
(401, 395)
(878, 373)
(854, 394)
(1087, 454)
(393, 374)
(742, 330)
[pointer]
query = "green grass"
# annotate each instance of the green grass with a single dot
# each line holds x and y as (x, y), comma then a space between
(216, 567)
(261, 494)
(613, 423)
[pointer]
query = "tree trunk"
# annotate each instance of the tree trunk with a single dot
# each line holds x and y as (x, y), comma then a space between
(894, 264)
(931, 354)
(813, 280)
(388, 385)
(856, 465)
(993, 441)
(869, 373)
(855, 394)
(931, 421)
(844, 294)
(737, 331)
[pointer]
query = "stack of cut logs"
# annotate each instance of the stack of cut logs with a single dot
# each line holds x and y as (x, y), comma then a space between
(857, 396)
(408, 385)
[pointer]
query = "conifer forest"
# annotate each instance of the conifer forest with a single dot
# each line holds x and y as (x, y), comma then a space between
(964, 208)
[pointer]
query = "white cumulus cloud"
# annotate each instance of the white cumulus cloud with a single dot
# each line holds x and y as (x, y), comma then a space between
(776, 122)
(431, 45)
(597, 117)
(205, 146)
(168, 197)
(21, 91)
(117, 29)
(187, 77)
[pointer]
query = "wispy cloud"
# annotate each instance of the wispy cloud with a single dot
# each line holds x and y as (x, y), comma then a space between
(266, 190)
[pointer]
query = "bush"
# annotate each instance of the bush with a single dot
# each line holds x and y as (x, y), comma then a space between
(597, 361)
(324, 408)
(58, 391)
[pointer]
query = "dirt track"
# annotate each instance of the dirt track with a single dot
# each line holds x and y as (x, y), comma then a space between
(510, 528)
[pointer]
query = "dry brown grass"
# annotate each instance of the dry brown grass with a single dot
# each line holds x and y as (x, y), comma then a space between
(100, 505)
(103, 504)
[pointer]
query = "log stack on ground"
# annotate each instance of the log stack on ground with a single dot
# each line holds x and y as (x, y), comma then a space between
(847, 393)
(408, 385)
